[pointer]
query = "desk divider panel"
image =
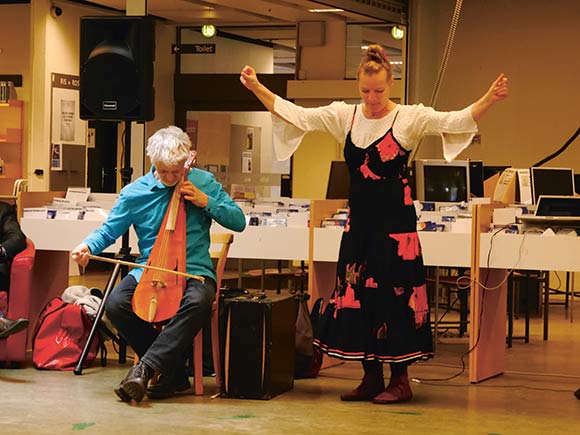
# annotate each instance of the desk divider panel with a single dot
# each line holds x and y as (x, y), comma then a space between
(36, 199)
(321, 275)
(487, 335)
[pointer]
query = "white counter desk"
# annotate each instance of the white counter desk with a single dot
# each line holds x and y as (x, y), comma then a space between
(54, 239)
(439, 248)
(65, 235)
(278, 243)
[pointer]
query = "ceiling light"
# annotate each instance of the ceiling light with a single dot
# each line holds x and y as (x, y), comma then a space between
(325, 10)
(208, 30)
(397, 32)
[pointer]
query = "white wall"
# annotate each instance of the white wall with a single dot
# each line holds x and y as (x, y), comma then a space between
(268, 162)
(15, 59)
(14, 51)
(535, 43)
(230, 57)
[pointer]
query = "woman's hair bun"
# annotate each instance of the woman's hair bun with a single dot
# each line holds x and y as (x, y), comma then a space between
(376, 54)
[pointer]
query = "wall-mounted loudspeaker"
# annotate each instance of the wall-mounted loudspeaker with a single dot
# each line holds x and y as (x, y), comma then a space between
(116, 68)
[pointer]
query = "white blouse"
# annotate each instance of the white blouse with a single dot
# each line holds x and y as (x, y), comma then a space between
(456, 128)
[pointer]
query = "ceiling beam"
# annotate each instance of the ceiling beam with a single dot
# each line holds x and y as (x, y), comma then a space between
(260, 9)
(388, 10)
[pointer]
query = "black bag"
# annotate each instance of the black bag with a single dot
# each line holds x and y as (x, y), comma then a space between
(308, 356)
(321, 316)
(258, 346)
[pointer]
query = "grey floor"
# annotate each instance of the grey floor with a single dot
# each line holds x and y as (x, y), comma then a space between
(534, 396)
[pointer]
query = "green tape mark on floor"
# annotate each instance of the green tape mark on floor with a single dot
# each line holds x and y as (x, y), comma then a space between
(81, 426)
(238, 417)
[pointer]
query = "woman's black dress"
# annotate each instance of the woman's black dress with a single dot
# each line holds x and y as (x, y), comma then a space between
(381, 310)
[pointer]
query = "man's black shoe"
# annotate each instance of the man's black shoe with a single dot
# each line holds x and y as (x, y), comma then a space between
(9, 327)
(577, 394)
(167, 387)
(135, 383)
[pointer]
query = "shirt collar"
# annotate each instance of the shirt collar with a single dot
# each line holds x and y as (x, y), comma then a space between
(154, 181)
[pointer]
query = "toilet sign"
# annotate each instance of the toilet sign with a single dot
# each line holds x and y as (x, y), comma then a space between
(193, 49)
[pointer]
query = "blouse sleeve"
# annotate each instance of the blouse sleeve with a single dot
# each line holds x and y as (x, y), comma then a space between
(456, 128)
(297, 121)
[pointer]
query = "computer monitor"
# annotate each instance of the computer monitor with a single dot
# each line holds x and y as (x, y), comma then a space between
(442, 181)
(338, 181)
(551, 181)
(476, 178)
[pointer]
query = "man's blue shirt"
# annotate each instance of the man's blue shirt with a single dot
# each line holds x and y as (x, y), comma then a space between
(143, 204)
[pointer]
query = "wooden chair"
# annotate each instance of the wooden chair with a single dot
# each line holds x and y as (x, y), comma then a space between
(223, 240)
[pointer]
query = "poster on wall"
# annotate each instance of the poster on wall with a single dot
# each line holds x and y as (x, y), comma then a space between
(56, 157)
(66, 124)
(247, 162)
(249, 139)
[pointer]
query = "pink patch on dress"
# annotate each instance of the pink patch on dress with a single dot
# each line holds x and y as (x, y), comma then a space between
(407, 199)
(382, 332)
(366, 172)
(388, 149)
(418, 303)
(347, 300)
(352, 274)
(371, 283)
(399, 290)
(409, 247)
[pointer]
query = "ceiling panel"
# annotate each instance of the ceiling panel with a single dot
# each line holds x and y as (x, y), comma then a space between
(274, 21)
(261, 12)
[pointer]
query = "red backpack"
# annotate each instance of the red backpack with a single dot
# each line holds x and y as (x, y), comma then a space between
(60, 336)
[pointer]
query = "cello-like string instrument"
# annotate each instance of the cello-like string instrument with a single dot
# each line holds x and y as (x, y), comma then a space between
(158, 293)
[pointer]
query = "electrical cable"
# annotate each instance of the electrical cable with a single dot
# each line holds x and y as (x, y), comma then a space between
(484, 288)
(123, 140)
(446, 52)
(560, 151)
(443, 65)
(526, 387)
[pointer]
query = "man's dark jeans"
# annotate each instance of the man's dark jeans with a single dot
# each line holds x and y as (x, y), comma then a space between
(162, 351)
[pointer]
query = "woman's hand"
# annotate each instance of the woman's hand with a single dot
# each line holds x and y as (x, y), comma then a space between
(498, 91)
(80, 254)
(249, 78)
(193, 194)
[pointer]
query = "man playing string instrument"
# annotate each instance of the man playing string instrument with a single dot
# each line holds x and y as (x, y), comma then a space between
(143, 204)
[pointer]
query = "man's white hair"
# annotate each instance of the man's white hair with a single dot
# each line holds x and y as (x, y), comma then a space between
(168, 146)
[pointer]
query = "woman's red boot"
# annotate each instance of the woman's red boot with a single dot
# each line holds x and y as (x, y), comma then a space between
(398, 390)
(371, 385)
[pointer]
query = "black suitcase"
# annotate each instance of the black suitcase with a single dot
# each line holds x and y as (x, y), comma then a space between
(258, 345)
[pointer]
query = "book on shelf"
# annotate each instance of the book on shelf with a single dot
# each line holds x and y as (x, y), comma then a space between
(333, 223)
